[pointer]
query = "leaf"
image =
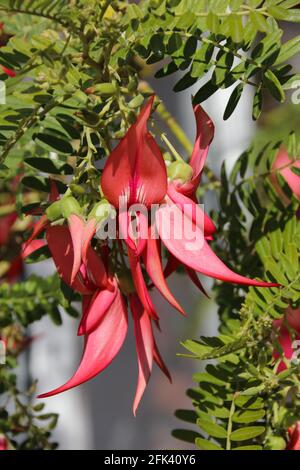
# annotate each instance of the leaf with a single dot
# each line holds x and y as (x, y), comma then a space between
(190, 47)
(186, 415)
(246, 433)
(259, 21)
(185, 82)
(249, 416)
(47, 165)
(205, 92)
(233, 101)
(257, 104)
(211, 428)
(203, 444)
(186, 435)
(236, 29)
(251, 447)
(55, 143)
(174, 43)
(288, 50)
(274, 86)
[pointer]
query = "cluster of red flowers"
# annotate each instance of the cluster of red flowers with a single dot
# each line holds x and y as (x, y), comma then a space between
(11, 264)
(115, 276)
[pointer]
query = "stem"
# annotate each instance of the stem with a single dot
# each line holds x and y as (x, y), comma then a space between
(229, 427)
(27, 123)
(35, 13)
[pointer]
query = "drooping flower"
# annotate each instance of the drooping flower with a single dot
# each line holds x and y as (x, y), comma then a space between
(104, 319)
(129, 174)
(134, 175)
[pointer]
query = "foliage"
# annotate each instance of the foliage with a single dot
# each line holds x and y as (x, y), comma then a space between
(241, 400)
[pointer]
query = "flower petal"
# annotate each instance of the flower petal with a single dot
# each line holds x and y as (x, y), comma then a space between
(201, 259)
(61, 247)
(98, 306)
(101, 346)
(76, 227)
(38, 227)
(32, 247)
(192, 210)
(140, 285)
(159, 361)
(134, 165)
(152, 262)
(144, 347)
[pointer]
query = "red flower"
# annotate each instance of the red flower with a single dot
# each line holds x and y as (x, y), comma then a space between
(284, 335)
(9, 72)
(3, 443)
(135, 173)
(283, 164)
(294, 437)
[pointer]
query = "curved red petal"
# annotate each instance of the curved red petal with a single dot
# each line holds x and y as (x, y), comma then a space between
(194, 278)
(201, 259)
(135, 169)
(152, 262)
(160, 362)
(32, 247)
(38, 227)
(98, 306)
(204, 136)
(144, 347)
(61, 247)
(101, 346)
(140, 285)
(76, 227)
(192, 210)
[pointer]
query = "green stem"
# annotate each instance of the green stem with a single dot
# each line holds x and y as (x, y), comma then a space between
(229, 427)
(29, 122)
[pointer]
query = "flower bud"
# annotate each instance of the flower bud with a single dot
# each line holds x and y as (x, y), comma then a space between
(69, 205)
(78, 189)
(105, 89)
(100, 211)
(180, 171)
(54, 211)
(276, 443)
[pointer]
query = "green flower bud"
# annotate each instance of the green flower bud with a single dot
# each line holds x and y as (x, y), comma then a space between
(69, 205)
(100, 211)
(132, 84)
(105, 89)
(78, 189)
(180, 171)
(54, 211)
(276, 443)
